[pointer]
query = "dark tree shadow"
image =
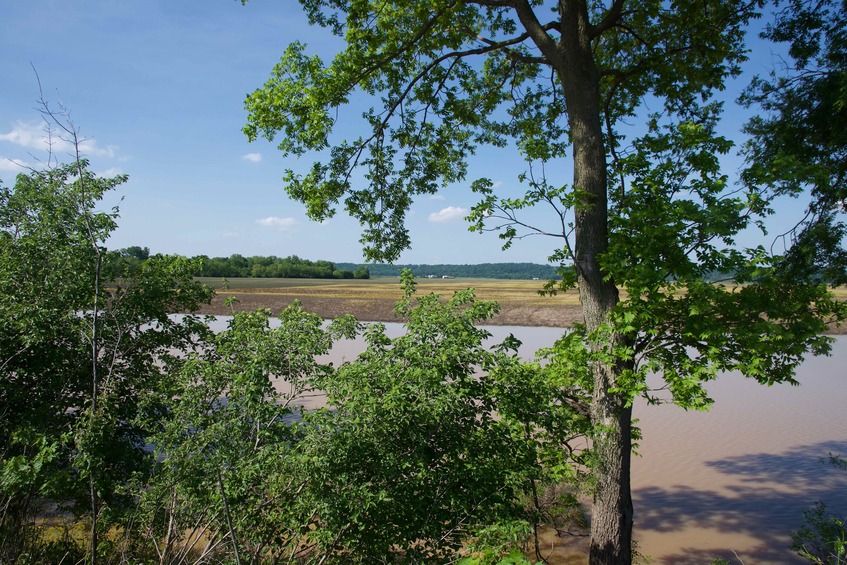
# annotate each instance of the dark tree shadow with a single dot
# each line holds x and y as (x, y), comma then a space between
(767, 503)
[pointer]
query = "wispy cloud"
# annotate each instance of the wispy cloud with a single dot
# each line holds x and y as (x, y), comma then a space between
(14, 165)
(252, 157)
(277, 222)
(89, 147)
(110, 172)
(19, 166)
(436, 197)
(34, 135)
(449, 214)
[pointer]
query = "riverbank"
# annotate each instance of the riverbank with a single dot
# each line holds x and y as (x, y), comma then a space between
(373, 301)
(560, 315)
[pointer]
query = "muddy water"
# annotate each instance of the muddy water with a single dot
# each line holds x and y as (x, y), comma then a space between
(732, 482)
(738, 478)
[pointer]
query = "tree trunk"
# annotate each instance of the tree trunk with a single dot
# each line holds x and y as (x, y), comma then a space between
(611, 523)
(611, 516)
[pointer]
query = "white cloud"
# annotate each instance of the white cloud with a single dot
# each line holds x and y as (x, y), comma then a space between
(252, 157)
(110, 172)
(277, 222)
(449, 214)
(14, 165)
(89, 147)
(436, 197)
(34, 135)
(31, 135)
(496, 184)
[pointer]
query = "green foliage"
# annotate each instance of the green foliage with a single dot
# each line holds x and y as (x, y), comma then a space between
(197, 447)
(823, 537)
(49, 227)
(428, 451)
(498, 544)
(451, 77)
(436, 447)
(123, 261)
(361, 272)
(799, 144)
(229, 476)
(47, 285)
(649, 209)
(481, 270)
(432, 447)
(838, 462)
(673, 214)
(420, 451)
(274, 267)
(678, 324)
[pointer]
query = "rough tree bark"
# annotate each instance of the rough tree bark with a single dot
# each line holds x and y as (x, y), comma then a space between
(573, 60)
(611, 521)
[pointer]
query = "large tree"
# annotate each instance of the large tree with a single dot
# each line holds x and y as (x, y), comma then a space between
(648, 209)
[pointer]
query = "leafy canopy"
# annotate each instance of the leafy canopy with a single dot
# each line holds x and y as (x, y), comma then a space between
(799, 142)
(448, 77)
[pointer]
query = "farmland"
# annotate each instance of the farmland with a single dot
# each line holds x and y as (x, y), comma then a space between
(373, 300)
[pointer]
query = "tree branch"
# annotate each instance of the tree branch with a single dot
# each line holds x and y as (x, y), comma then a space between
(403, 48)
(554, 25)
(609, 21)
(493, 3)
(538, 33)
(392, 109)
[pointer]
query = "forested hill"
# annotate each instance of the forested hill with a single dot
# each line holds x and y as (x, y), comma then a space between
(483, 270)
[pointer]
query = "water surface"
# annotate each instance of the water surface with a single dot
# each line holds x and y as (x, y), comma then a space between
(732, 482)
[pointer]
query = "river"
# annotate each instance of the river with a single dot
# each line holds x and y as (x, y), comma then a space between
(729, 483)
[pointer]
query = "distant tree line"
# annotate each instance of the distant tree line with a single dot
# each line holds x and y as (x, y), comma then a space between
(294, 267)
(131, 258)
(482, 271)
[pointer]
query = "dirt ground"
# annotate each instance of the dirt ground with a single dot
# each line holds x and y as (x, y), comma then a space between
(382, 309)
(373, 301)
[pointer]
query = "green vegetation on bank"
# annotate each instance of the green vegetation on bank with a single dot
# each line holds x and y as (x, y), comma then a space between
(480, 271)
(236, 265)
(171, 444)
(293, 267)
(135, 437)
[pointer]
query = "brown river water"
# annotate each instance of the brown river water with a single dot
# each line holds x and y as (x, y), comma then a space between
(729, 483)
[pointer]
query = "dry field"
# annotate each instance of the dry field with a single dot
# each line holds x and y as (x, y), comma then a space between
(373, 300)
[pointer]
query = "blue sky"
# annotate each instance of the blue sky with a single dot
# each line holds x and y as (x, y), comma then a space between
(158, 87)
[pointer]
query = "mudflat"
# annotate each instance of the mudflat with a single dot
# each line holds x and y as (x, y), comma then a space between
(373, 300)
